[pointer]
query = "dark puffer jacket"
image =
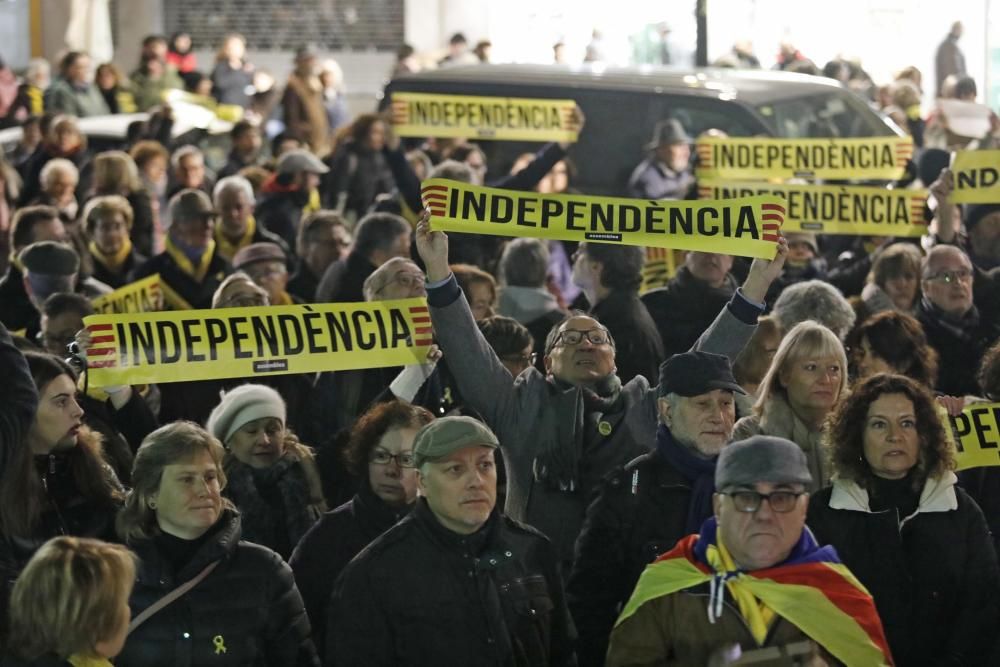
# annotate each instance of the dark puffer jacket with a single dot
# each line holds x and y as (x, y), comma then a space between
(639, 515)
(329, 546)
(249, 605)
(933, 575)
(421, 595)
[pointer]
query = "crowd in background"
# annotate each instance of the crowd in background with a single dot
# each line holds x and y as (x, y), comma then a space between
(588, 405)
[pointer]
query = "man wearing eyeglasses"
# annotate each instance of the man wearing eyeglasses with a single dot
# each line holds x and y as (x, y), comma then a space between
(953, 323)
(564, 430)
(771, 593)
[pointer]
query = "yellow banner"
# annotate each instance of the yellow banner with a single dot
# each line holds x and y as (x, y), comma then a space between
(140, 348)
(977, 177)
(749, 227)
(834, 209)
(142, 296)
(756, 159)
(979, 435)
(660, 266)
(500, 118)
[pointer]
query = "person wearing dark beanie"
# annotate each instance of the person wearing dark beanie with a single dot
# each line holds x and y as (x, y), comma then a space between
(649, 504)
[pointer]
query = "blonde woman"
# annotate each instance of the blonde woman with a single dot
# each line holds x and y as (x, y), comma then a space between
(804, 383)
(70, 605)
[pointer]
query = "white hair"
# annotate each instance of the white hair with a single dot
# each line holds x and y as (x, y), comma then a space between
(56, 165)
(234, 182)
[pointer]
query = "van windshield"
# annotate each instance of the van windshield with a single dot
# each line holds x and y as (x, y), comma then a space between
(833, 114)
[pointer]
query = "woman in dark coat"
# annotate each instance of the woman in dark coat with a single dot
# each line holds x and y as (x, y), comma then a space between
(917, 541)
(55, 481)
(246, 610)
(381, 454)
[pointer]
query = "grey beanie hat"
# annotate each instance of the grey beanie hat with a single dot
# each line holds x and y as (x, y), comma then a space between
(242, 405)
(761, 458)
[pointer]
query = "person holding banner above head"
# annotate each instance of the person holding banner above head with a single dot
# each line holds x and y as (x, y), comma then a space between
(108, 222)
(773, 594)
(273, 479)
(203, 596)
(234, 200)
(917, 541)
(564, 430)
(380, 454)
(191, 265)
(956, 326)
(666, 173)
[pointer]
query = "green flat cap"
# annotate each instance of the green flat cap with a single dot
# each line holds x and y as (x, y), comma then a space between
(448, 434)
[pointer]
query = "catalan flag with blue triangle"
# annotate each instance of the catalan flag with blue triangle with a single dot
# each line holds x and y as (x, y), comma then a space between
(811, 589)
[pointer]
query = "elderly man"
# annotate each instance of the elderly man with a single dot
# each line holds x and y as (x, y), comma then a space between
(267, 265)
(237, 228)
(191, 265)
(563, 431)
(691, 299)
(323, 240)
(665, 174)
(291, 193)
(456, 582)
(646, 506)
(378, 238)
(770, 591)
(189, 171)
(952, 322)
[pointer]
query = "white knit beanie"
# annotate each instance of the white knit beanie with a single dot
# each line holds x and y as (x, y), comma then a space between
(242, 405)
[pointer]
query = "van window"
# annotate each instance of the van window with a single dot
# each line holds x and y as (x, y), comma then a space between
(820, 116)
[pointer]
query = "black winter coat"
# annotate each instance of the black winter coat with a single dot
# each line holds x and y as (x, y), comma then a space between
(684, 308)
(344, 280)
(421, 595)
(960, 354)
(197, 294)
(638, 348)
(934, 580)
(249, 604)
(329, 546)
(639, 514)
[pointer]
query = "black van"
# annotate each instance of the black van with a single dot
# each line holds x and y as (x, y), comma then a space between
(622, 105)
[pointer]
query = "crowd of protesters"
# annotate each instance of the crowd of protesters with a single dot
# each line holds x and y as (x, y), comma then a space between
(504, 502)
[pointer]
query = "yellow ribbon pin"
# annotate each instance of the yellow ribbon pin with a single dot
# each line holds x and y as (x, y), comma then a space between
(604, 428)
(220, 644)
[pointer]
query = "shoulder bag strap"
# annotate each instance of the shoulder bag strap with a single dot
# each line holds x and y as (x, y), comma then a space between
(170, 597)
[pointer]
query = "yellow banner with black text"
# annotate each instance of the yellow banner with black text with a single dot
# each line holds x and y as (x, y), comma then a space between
(977, 177)
(749, 227)
(978, 433)
(139, 348)
(499, 118)
(142, 296)
(758, 158)
(834, 209)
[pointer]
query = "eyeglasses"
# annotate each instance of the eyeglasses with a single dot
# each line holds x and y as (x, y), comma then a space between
(750, 501)
(383, 458)
(407, 280)
(575, 337)
(526, 359)
(948, 277)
